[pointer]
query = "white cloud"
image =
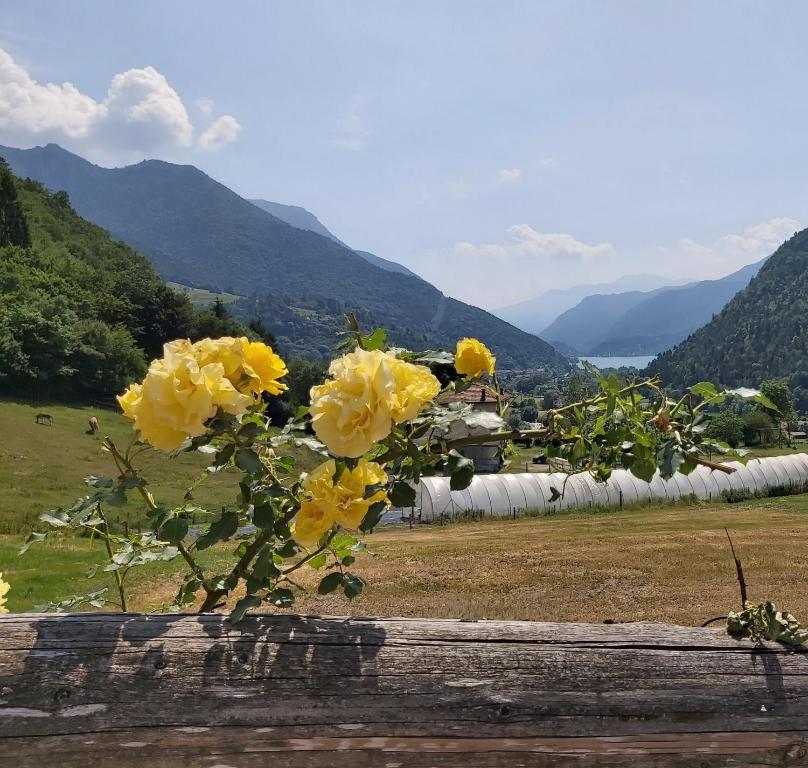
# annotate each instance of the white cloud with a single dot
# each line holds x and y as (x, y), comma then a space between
(495, 274)
(219, 133)
(141, 113)
(729, 252)
(509, 175)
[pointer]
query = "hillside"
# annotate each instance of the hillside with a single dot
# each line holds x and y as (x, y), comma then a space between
(534, 315)
(762, 332)
(79, 312)
(667, 317)
(199, 233)
(582, 326)
(645, 322)
(300, 218)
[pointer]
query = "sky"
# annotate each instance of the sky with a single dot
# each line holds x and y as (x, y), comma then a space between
(499, 149)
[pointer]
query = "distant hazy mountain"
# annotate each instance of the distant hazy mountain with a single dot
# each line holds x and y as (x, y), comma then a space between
(534, 315)
(664, 319)
(303, 219)
(645, 322)
(199, 233)
(762, 332)
(582, 327)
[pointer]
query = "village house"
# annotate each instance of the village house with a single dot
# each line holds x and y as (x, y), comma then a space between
(487, 457)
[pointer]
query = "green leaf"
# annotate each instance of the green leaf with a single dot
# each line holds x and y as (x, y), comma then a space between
(222, 458)
(56, 518)
(329, 583)
(33, 538)
(246, 603)
(461, 470)
(373, 516)
(289, 549)
(221, 530)
(352, 585)
(99, 482)
(704, 390)
(281, 598)
(318, 561)
(402, 495)
(263, 516)
(643, 468)
(174, 530)
(375, 340)
(247, 461)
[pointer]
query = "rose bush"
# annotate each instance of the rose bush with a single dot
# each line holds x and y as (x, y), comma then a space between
(380, 422)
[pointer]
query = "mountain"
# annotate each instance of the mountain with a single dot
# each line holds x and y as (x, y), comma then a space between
(534, 315)
(670, 315)
(645, 322)
(761, 333)
(302, 219)
(582, 327)
(299, 283)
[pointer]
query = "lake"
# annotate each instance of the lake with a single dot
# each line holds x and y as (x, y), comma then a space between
(637, 361)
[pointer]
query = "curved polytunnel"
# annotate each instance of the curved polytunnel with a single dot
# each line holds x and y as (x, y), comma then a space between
(502, 495)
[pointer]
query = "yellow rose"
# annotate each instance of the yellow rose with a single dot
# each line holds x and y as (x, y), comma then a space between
(367, 393)
(342, 502)
(353, 409)
(311, 523)
(4, 588)
(250, 366)
(473, 359)
(227, 350)
(415, 387)
(264, 368)
(178, 396)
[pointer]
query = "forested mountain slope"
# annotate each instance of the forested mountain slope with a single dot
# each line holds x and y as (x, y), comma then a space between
(80, 314)
(762, 332)
(199, 233)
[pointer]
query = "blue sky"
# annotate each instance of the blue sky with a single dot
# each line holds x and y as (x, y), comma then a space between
(498, 148)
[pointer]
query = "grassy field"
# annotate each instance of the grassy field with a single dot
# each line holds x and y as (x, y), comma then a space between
(42, 467)
(658, 563)
(200, 297)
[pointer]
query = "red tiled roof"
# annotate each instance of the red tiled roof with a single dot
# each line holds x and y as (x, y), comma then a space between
(476, 393)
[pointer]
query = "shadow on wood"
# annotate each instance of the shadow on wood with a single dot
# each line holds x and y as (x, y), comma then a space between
(131, 690)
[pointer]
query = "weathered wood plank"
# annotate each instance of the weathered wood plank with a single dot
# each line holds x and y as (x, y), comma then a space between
(133, 690)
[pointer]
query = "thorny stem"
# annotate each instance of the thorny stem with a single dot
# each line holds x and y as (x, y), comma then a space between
(118, 579)
(126, 469)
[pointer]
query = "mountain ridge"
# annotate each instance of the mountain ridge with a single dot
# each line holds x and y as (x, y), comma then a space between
(199, 233)
(760, 333)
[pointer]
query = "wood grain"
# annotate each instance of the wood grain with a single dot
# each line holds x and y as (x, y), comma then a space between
(133, 690)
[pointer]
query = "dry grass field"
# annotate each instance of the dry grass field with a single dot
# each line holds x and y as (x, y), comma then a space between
(652, 564)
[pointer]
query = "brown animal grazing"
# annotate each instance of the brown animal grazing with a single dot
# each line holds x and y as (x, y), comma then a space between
(93, 424)
(44, 418)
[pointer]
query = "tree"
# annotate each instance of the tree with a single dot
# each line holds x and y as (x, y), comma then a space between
(727, 426)
(777, 390)
(757, 428)
(574, 389)
(13, 224)
(529, 412)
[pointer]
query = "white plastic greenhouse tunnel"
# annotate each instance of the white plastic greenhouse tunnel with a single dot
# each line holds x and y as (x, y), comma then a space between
(509, 495)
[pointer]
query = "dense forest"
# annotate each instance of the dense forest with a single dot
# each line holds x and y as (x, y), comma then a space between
(81, 313)
(761, 333)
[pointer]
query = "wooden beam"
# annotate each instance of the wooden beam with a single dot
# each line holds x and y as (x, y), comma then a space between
(130, 690)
